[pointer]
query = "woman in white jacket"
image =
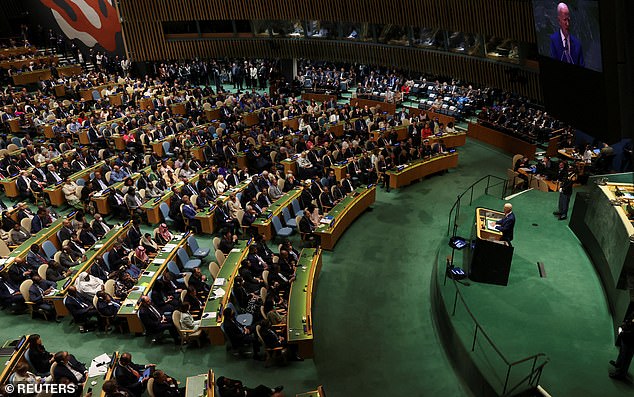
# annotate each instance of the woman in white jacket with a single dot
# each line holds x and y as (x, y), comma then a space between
(187, 320)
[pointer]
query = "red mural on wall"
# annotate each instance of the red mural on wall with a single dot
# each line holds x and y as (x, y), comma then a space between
(90, 21)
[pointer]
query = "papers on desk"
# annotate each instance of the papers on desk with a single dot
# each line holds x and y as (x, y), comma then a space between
(491, 224)
(129, 302)
(209, 315)
(158, 261)
(149, 274)
(219, 293)
(220, 281)
(235, 250)
(97, 246)
(54, 291)
(99, 366)
(169, 247)
(325, 221)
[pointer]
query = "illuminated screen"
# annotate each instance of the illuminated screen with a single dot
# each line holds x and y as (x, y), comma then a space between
(569, 31)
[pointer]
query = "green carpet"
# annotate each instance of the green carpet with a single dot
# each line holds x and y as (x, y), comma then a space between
(374, 333)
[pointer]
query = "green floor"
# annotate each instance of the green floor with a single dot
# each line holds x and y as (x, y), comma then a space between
(374, 333)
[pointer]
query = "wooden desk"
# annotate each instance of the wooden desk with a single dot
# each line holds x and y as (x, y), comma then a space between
(10, 360)
(212, 114)
(212, 314)
(44, 74)
(501, 140)
(201, 385)
(315, 393)
(390, 108)
(344, 214)
(151, 207)
(20, 63)
(539, 182)
(55, 193)
(290, 166)
(129, 307)
(101, 200)
(99, 380)
(491, 258)
(198, 152)
(299, 319)
(157, 146)
(251, 118)
(264, 224)
(293, 123)
(443, 118)
(421, 168)
(102, 246)
(206, 215)
(48, 233)
(336, 129)
(310, 96)
(450, 140)
(179, 108)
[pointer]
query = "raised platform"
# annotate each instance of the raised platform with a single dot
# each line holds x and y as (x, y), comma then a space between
(564, 315)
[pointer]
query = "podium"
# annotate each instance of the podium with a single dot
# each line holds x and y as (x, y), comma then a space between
(491, 258)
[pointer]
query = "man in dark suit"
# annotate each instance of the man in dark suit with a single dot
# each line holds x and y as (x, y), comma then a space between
(37, 291)
(39, 221)
(68, 367)
(154, 322)
(34, 258)
(130, 375)
(52, 177)
(564, 46)
(165, 386)
(66, 231)
(507, 224)
(79, 307)
(238, 334)
(9, 293)
(23, 183)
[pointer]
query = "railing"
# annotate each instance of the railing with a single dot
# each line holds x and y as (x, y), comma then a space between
(455, 210)
(532, 379)
(487, 183)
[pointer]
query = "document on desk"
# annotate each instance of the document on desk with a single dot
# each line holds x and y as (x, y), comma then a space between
(220, 281)
(169, 247)
(491, 224)
(159, 261)
(219, 293)
(99, 365)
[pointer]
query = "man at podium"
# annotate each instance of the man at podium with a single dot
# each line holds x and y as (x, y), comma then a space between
(507, 224)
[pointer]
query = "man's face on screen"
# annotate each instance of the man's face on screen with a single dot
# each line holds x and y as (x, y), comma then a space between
(563, 16)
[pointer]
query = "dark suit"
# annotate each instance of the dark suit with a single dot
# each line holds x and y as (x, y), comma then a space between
(506, 226)
(126, 378)
(151, 319)
(62, 372)
(107, 309)
(79, 308)
(37, 224)
(573, 56)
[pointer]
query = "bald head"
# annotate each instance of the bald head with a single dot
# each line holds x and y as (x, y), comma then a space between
(563, 17)
(508, 207)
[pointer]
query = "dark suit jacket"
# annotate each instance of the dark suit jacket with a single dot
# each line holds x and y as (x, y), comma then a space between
(506, 226)
(557, 49)
(62, 371)
(107, 309)
(36, 224)
(74, 306)
(149, 319)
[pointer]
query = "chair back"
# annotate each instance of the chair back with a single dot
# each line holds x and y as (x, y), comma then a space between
(166, 147)
(56, 257)
(280, 184)
(239, 216)
(193, 243)
(95, 299)
(273, 155)
(109, 287)
(297, 210)
(52, 371)
(286, 214)
(108, 174)
(78, 190)
(258, 330)
(26, 224)
(165, 210)
(214, 269)
(216, 242)
(41, 271)
(24, 289)
(49, 249)
(515, 158)
(186, 280)
(298, 218)
(172, 267)
(262, 312)
(263, 293)
(182, 256)
(176, 318)
(150, 387)
(220, 257)
(277, 225)
(4, 249)
(265, 277)
(106, 260)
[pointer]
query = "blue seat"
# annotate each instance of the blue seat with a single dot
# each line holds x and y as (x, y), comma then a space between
(80, 182)
(245, 319)
(49, 250)
(96, 95)
(165, 210)
(166, 149)
(186, 261)
(279, 230)
(288, 220)
(107, 261)
(175, 271)
(297, 210)
(197, 252)
(324, 182)
(16, 141)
